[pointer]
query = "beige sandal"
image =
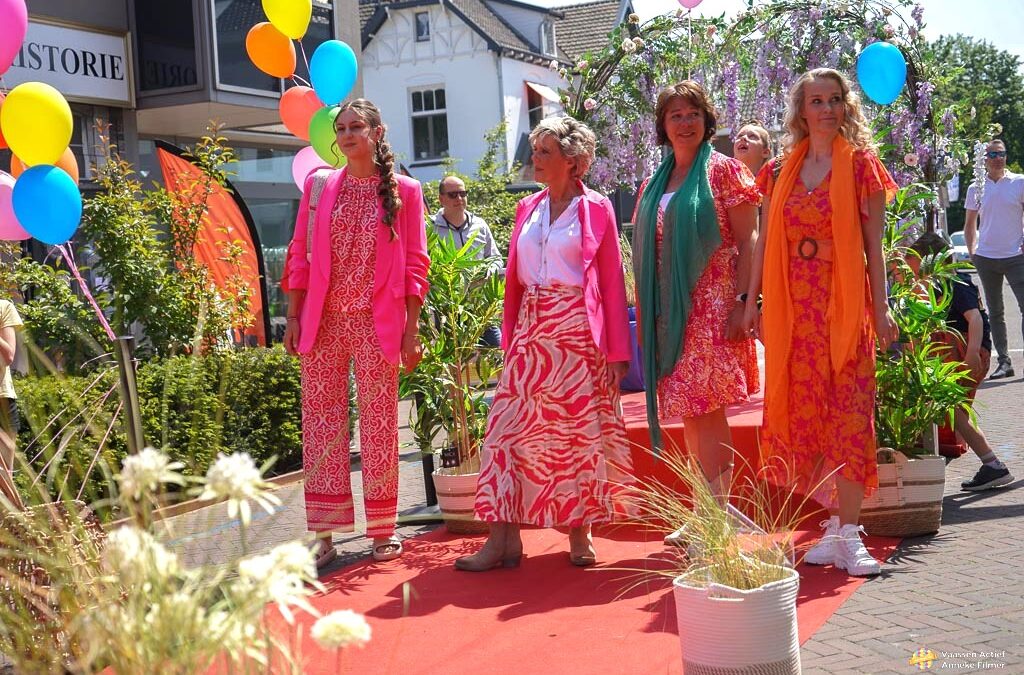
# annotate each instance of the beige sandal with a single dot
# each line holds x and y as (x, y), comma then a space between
(388, 550)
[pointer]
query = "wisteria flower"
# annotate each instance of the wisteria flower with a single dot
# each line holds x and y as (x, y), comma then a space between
(589, 104)
(136, 557)
(236, 478)
(582, 66)
(143, 474)
(628, 46)
(888, 30)
(911, 159)
(341, 629)
(639, 43)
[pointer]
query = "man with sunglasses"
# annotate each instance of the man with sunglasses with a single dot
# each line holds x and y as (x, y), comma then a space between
(456, 223)
(997, 246)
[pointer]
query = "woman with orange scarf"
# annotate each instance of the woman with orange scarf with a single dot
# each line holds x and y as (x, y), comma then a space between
(819, 262)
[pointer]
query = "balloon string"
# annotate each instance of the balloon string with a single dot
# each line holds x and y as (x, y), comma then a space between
(70, 260)
(302, 49)
(689, 41)
(296, 79)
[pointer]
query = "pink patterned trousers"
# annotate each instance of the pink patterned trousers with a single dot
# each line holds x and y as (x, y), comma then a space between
(345, 337)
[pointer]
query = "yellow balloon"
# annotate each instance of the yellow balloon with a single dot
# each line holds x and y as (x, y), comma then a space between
(291, 17)
(36, 121)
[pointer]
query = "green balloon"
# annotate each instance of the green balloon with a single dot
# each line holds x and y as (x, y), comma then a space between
(323, 138)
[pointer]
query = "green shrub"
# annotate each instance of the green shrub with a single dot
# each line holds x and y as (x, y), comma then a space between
(192, 406)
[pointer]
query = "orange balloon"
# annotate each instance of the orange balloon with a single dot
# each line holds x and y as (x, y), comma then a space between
(270, 50)
(297, 107)
(67, 162)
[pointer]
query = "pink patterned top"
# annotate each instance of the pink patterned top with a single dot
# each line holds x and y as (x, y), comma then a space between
(353, 245)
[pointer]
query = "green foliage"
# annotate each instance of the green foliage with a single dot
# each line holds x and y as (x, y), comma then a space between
(193, 406)
(150, 280)
(987, 84)
(451, 381)
(489, 197)
(916, 386)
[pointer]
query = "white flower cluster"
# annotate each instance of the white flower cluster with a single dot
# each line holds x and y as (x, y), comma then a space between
(237, 479)
(628, 46)
(143, 474)
(341, 629)
(979, 174)
(137, 558)
(279, 577)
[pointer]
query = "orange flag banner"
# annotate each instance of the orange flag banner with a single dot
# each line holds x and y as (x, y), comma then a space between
(228, 222)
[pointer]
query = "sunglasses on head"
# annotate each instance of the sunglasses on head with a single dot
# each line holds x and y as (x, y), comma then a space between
(995, 154)
(452, 194)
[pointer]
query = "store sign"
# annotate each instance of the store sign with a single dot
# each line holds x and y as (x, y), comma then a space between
(84, 65)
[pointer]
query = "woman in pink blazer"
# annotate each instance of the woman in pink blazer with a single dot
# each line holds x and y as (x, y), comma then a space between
(555, 453)
(355, 297)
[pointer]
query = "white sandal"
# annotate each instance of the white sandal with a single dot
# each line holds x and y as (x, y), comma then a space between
(388, 550)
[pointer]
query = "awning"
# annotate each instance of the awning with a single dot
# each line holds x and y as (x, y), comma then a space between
(545, 91)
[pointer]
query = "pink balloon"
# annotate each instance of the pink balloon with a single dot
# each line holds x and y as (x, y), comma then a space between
(689, 4)
(10, 228)
(306, 162)
(13, 25)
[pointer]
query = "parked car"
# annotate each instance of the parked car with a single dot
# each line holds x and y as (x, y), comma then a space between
(960, 253)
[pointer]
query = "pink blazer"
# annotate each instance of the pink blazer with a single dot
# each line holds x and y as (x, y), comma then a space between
(604, 290)
(400, 271)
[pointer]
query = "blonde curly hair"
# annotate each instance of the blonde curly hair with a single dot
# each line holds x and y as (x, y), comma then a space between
(855, 128)
(575, 140)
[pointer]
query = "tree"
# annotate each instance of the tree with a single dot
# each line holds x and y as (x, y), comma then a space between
(991, 80)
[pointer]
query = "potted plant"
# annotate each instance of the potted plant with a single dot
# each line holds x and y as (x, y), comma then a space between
(916, 389)
(451, 382)
(735, 591)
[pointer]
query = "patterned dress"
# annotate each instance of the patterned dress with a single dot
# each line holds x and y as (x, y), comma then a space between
(832, 414)
(346, 335)
(713, 372)
(555, 452)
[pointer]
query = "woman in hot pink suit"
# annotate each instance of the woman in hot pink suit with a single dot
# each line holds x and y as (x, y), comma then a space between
(555, 453)
(356, 296)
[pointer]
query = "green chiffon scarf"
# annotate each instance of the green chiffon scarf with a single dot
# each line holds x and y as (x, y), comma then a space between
(690, 235)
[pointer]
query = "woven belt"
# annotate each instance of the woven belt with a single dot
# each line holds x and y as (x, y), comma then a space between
(809, 248)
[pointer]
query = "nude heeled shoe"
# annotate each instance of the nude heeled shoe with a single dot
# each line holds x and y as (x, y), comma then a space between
(581, 554)
(492, 555)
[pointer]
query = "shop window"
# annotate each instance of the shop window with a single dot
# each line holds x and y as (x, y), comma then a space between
(429, 124)
(166, 43)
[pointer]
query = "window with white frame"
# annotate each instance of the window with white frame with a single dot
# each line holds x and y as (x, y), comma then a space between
(429, 124)
(422, 26)
(547, 38)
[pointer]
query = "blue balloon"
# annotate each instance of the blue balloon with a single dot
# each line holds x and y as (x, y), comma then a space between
(882, 72)
(47, 203)
(333, 71)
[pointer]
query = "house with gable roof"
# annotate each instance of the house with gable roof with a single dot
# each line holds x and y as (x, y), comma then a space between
(444, 72)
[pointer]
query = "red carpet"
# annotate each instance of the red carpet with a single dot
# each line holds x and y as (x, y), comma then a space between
(544, 617)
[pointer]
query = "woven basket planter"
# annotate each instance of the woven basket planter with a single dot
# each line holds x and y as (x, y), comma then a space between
(46, 528)
(456, 495)
(908, 502)
(725, 631)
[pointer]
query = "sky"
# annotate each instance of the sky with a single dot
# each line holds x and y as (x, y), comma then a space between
(1000, 22)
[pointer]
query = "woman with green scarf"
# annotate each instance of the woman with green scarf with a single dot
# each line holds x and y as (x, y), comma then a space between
(693, 242)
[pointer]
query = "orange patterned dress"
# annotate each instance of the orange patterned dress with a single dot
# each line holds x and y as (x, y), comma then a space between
(832, 414)
(713, 372)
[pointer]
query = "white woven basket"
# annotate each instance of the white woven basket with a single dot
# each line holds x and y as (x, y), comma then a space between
(908, 501)
(456, 496)
(725, 631)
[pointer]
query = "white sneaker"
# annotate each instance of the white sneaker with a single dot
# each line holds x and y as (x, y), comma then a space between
(851, 554)
(824, 552)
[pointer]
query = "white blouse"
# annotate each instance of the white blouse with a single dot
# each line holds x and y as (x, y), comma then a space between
(551, 254)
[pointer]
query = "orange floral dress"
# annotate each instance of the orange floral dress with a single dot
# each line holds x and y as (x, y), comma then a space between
(713, 372)
(832, 414)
